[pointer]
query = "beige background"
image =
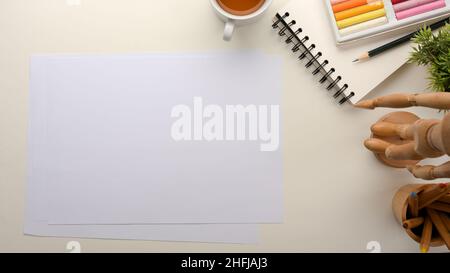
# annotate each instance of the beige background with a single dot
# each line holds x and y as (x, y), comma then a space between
(337, 196)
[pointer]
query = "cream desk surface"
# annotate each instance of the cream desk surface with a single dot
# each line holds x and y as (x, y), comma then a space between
(337, 196)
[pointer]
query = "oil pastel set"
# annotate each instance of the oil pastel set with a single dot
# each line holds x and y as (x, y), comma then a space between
(357, 19)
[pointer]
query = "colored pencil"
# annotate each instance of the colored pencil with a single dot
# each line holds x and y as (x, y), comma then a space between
(432, 194)
(440, 226)
(413, 222)
(441, 206)
(397, 42)
(446, 219)
(413, 204)
(445, 199)
(426, 235)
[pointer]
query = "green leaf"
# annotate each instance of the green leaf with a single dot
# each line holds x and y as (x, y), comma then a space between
(433, 51)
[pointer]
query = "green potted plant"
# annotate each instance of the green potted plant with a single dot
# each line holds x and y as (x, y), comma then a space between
(433, 51)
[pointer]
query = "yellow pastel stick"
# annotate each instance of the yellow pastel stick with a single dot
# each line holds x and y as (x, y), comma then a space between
(359, 10)
(361, 18)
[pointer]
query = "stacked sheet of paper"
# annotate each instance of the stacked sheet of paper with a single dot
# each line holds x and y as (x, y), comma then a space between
(182, 147)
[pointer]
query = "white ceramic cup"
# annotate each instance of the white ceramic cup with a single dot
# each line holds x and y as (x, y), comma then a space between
(231, 20)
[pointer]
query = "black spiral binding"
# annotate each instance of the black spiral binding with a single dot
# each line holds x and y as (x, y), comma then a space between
(285, 29)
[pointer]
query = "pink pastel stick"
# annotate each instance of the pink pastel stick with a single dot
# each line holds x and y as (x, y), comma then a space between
(410, 4)
(334, 2)
(420, 9)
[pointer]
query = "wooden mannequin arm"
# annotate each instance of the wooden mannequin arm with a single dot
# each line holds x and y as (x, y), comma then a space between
(436, 100)
(439, 135)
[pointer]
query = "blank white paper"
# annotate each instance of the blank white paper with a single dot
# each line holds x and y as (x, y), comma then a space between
(37, 210)
(204, 233)
(108, 156)
(208, 233)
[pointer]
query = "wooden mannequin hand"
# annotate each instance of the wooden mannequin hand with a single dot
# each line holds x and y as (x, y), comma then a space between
(393, 151)
(420, 139)
(429, 172)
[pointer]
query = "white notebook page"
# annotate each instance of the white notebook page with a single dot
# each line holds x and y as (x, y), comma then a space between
(362, 77)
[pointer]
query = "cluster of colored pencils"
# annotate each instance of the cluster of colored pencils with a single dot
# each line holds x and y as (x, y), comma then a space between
(429, 215)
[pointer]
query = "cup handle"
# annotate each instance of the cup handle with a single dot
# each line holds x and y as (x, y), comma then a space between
(229, 29)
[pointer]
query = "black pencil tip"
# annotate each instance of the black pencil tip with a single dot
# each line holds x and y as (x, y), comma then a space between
(355, 60)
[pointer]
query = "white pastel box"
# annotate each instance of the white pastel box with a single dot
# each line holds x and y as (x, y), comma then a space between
(392, 25)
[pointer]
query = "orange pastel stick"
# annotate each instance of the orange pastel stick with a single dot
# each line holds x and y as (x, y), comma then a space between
(350, 4)
(358, 10)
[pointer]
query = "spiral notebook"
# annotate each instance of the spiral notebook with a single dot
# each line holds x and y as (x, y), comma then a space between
(304, 28)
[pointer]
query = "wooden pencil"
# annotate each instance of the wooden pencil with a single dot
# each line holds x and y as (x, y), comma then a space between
(432, 194)
(413, 222)
(440, 226)
(440, 206)
(413, 204)
(445, 199)
(383, 48)
(426, 235)
(446, 219)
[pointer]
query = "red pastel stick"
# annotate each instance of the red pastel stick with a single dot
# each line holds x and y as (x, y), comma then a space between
(397, 1)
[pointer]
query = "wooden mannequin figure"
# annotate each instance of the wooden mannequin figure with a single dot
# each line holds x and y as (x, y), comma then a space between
(401, 139)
